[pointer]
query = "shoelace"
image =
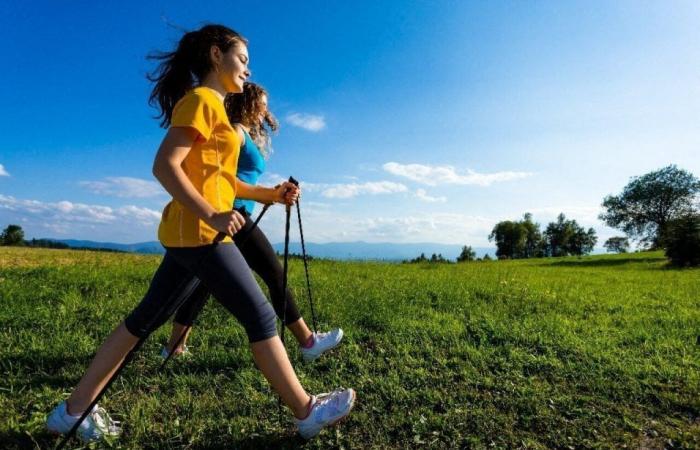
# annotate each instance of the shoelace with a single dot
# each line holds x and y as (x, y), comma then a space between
(320, 336)
(330, 398)
(103, 421)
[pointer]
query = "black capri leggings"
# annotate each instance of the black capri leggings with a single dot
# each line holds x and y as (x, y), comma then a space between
(261, 257)
(224, 271)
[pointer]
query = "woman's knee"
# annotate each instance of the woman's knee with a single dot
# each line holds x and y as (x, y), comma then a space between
(141, 323)
(264, 326)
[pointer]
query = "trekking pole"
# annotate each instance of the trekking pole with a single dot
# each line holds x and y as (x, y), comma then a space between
(177, 302)
(187, 328)
(306, 269)
(285, 269)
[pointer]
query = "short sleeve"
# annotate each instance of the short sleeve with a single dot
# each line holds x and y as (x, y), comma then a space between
(195, 111)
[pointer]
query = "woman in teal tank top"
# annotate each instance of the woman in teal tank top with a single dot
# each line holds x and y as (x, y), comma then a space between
(251, 165)
(249, 114)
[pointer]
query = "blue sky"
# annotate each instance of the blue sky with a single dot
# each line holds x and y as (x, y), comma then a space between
(406, 121)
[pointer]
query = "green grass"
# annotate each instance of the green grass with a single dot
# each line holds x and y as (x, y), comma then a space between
(596, 352)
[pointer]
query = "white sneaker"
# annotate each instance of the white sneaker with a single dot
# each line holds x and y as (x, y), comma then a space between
(164, 352)
(322, 343)
(96, 425)
(326, 410)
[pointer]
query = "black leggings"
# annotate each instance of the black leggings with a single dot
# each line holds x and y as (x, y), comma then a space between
(224, 270)
(260, 256)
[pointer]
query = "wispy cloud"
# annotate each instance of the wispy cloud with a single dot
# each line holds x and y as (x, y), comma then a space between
(309, 122)
(421, 194)
(333, 225)
(124, 187)
(349, 190)
(271, 179)
(586, 215)
(436, 175)
(60, 215)
(3, 172)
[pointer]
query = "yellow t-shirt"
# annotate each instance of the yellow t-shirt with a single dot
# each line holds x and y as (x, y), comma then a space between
(210, 166)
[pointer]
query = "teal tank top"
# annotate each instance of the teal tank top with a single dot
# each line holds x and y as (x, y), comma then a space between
(251, 165)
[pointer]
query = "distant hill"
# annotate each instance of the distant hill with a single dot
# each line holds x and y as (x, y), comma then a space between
(381, 251)
(140, 247)
(333, 250)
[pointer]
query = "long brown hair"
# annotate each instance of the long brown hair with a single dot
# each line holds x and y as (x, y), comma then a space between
(189, 63)
(245, 108)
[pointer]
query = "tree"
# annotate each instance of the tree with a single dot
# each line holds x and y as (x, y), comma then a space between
(617, 244)
(12, 235)
(533, 237)
(510, 239)
(437, 258)
(567, 237)
(518, 239)
(648, 203)
(467, 254)
(557, 235)
(582, 242)
(419, 259)
(682, 241)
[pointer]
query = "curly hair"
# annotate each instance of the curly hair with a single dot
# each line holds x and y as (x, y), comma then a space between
(246, 108)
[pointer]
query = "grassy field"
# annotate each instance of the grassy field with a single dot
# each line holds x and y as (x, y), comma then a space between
(596, 352)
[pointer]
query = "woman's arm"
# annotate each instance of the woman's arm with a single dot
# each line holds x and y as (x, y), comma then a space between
(284, 193)
(167, 168)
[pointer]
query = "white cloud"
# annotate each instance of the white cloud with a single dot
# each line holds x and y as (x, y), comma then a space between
(309, 122)
(144, 216)
(334, 225)
(124, 187)
(421, 194)
(349, 190)
(271, 179)
(3, 172)
(435, 175)
(77, 219)
(312, 204)
(584, 215)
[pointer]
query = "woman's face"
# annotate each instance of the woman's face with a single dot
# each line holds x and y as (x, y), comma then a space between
(233, 67)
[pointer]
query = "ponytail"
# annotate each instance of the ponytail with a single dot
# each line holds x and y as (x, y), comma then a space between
(181, 70)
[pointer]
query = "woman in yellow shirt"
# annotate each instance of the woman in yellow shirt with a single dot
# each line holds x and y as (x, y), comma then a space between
(248, 112)
(196, 164)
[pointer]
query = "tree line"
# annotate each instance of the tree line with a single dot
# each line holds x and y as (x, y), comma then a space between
(524, 239)
(13, 235)
(658, 210)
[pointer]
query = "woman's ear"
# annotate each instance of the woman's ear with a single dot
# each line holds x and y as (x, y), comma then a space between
(216, 56)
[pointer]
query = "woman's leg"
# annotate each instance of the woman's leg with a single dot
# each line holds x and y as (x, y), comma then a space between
(227, 275)
(300, 331)
(178, 336)
(185, 317)
(104, 364)
(166, 280)
(261, 257)
(271, 358)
